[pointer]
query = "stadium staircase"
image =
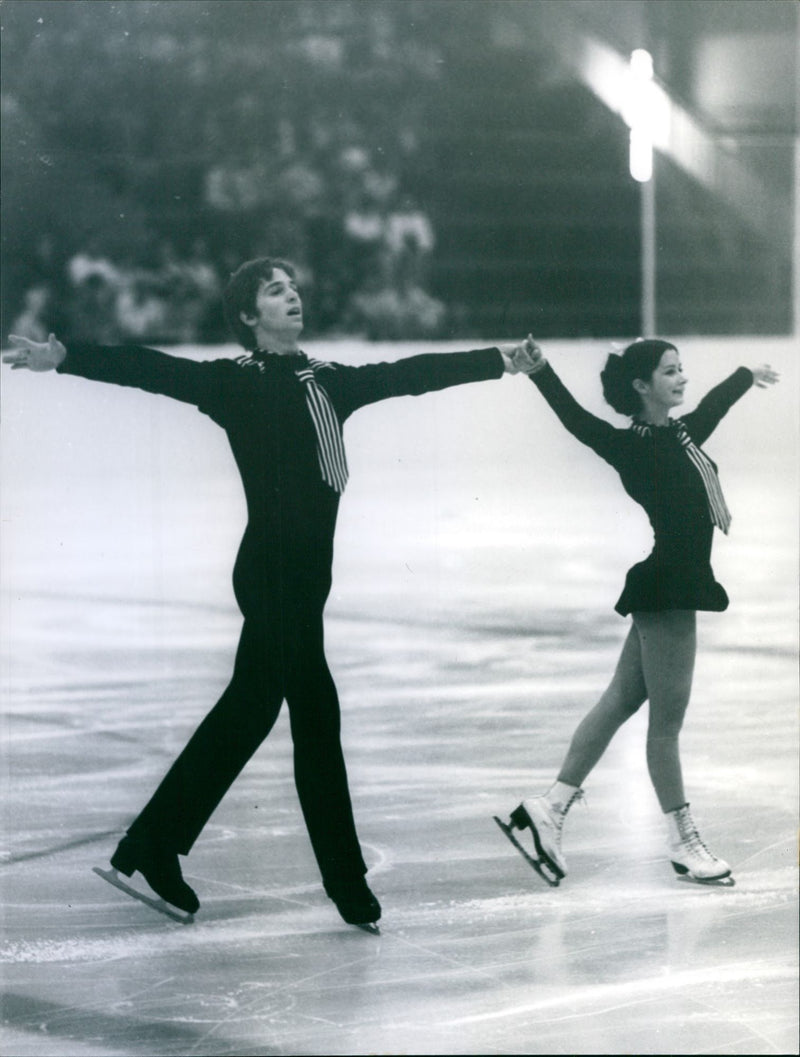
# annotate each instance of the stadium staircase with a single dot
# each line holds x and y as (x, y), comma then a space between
(538, 220)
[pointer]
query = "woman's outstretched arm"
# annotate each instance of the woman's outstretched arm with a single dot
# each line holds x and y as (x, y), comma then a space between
(702, 422)
(596, 433)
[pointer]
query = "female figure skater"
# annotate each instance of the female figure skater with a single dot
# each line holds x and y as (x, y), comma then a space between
(662, 467)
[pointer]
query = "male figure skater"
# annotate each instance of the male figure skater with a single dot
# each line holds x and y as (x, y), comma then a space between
(283, 414)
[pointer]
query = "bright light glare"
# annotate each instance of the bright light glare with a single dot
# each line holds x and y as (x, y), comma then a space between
(640, 158)
(642, 64)
(646, 112)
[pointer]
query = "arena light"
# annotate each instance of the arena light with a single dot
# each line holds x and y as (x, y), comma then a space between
(645, 110)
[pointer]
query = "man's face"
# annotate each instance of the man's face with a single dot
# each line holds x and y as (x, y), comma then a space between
(278, 309)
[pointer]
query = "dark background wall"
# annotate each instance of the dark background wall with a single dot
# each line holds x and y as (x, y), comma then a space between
(436, 167)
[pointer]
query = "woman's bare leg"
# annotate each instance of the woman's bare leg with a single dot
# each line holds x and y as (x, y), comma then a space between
(625, 695)
(544, 815)
(668, 648)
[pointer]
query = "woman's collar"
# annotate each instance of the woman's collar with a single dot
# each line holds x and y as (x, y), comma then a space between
(648, 429)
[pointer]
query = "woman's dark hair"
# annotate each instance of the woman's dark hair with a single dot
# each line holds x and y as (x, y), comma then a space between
(639, 360)
(240, 293)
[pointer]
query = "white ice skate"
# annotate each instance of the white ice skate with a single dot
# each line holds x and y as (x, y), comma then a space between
(544, 817)
(690, 858)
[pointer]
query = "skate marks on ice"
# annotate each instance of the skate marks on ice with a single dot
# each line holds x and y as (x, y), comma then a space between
(43, 1027)
(446, 721)
(56, 848)
(476, 954)
(593, 967)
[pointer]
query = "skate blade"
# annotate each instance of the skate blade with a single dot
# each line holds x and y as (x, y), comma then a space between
(541, 867)
(371, 927)
(113, 878)
(544, 858)
(714, 882)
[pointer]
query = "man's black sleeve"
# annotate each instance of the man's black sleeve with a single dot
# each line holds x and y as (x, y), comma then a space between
(143, 368)
(353, 387)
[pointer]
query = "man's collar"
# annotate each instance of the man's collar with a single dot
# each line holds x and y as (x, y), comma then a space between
(265, 356)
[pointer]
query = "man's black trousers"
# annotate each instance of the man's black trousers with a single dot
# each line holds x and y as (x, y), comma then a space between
(280, 657)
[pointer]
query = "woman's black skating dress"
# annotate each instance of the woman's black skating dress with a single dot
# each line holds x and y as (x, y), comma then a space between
(656, 471)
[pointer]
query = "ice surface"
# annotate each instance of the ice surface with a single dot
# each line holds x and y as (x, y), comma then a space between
(479, 554)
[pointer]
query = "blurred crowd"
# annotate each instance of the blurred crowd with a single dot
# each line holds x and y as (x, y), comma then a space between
(99, 299)
(297, 131)
(362, 269)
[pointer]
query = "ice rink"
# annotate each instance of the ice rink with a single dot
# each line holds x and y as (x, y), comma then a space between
(480, 550)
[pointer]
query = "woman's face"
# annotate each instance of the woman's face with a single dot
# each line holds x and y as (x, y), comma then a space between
(664, 389)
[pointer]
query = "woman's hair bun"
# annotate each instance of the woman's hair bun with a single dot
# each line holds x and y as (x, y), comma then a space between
(639, 360)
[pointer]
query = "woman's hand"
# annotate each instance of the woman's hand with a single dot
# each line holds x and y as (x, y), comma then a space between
(764, 376)
(35, 355)
(525, 357)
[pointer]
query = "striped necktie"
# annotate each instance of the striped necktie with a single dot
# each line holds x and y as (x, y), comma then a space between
(330, 442)
(717, 507)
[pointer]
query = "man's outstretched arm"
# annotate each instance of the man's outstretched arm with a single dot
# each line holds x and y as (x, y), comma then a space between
(129, 365)
(354, 387)
(35, 355)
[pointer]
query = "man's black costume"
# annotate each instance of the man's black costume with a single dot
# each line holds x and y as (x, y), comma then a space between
(282, 575)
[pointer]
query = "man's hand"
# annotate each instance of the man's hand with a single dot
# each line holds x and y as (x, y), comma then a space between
(35, 355)
(525, 357)
(764, 376)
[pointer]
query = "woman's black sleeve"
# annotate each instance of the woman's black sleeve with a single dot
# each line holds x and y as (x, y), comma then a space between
(596, 433)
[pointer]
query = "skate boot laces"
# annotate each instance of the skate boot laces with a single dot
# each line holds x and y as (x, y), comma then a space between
(689, 853)
(691, 840)
(545, 820)
(559, 812)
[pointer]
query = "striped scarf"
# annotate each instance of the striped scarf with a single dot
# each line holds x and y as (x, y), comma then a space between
(717, 507)
(330, 443)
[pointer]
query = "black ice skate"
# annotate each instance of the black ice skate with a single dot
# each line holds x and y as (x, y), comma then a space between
(161, 870)
(542, 863)
(356, 904)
